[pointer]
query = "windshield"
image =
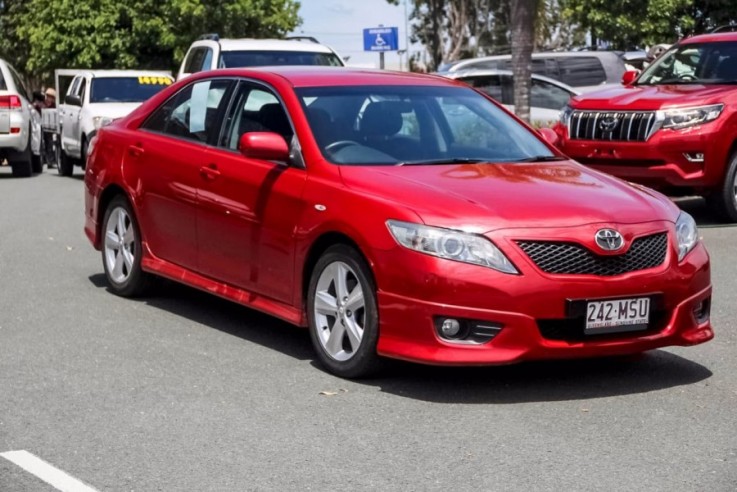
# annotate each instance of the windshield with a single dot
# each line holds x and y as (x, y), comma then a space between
(708, 63)
(126, 89)
(236, 59)
(390, 125)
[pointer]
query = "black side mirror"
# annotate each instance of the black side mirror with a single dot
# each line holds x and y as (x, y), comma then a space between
(73, 100)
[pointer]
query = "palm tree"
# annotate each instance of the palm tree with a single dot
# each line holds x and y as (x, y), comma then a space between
(523, 13)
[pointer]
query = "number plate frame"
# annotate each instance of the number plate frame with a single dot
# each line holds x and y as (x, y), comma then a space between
(578, 309)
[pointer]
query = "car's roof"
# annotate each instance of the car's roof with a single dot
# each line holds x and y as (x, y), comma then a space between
(322, 76)
(711, 38)
(128, 73)
(248, 44)
(485, 72)
(459, 64)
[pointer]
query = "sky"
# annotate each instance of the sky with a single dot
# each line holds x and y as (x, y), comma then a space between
(340, 24)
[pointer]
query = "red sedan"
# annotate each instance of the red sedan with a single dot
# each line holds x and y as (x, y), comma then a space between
(395, 215)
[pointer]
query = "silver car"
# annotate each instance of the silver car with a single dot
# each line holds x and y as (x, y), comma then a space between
(20, 124)
(547, 96)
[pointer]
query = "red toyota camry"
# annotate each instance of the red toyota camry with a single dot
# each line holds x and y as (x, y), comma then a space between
(394, 215)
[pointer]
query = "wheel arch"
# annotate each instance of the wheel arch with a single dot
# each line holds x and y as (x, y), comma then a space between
(107, 196)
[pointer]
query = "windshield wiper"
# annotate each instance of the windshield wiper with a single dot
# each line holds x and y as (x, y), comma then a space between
(540, 158)
(442, 160)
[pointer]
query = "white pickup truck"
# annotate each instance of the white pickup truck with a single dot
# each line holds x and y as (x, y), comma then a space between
(92, 99)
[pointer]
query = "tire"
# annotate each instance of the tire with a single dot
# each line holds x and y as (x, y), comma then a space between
(121, 250)
(22, 162)
(724, 200)
(64, 164)
(85, 147)
(336, 317)
(36, 164)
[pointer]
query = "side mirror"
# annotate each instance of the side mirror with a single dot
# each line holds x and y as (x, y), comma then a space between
(73, 100)
(266, 146)
(630, 76)
(549, 135)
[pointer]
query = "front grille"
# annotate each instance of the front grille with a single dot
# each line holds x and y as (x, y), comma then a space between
(573, 259)
(573, 329)
(600, 125)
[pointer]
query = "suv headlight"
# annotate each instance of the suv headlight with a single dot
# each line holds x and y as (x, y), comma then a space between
(450, 244)
(565, 115)
(686, 117)
(687, 234)
(100, 121)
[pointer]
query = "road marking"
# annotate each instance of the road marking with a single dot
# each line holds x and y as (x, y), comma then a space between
(46, 472)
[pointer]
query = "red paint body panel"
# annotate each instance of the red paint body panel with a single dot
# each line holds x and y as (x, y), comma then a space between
(243, 229)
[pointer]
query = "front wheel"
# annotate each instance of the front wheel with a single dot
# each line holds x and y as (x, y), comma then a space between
(724, 200)
(121, 250)
(342, 313)
(64, 164)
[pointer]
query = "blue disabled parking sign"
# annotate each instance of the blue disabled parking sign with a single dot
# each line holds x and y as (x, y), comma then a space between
(380, 39)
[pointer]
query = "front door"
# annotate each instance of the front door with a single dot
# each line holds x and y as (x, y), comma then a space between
(248, 212)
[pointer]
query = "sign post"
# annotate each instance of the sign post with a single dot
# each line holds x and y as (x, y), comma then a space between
(381, 39)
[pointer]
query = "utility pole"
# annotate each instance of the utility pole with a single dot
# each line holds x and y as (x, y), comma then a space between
(406, 33)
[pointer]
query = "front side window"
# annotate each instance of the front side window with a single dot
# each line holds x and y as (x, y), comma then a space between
(706, 63)
(548, 96)
(389, 125)
(238, 59)
(194, 113)
(126, 89)
(255, 109)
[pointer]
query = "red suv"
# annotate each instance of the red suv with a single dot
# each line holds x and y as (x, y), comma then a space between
(673, 128)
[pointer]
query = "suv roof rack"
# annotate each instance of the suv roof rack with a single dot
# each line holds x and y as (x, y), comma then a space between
(731, 27)
(212, 36)
(303, 38)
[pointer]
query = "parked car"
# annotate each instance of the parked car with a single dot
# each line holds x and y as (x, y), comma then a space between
(395, 215)
(584, 70)
(95, 98)
(20, 124)
(671, 128)
(547, 96)
(211, 52)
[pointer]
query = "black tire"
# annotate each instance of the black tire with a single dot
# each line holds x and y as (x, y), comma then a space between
(36, 164)
(85, 148)
(724, 200)
(136, 281)
(22, 162)
(64, 163)
(363, 361)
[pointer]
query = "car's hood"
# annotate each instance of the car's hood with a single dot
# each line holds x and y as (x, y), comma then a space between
(486, 197)
(111, 110)
(653, 97)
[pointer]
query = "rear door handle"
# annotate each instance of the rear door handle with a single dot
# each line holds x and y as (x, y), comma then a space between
(209, 172)
(135, 150)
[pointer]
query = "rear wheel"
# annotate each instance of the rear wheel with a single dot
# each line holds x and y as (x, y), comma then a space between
(342, 313)
(22, 162)
(121, 250)
(724, 200)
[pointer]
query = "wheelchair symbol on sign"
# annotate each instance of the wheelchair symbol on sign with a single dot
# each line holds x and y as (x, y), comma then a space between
(379, 40)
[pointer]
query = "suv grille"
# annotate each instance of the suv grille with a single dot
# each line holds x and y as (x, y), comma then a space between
(572, 259)
(599, 125)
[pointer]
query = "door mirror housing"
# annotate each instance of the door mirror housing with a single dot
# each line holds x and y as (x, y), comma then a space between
(266, 146)
(73, 100)
(630, 76)
(549, 135)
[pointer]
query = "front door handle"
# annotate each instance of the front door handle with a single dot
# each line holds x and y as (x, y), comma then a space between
(135, 150)
(209, 172)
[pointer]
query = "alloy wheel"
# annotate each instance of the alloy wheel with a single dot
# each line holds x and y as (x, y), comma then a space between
(120, 245)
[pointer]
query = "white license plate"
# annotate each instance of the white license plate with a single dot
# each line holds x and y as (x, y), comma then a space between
(617, 315)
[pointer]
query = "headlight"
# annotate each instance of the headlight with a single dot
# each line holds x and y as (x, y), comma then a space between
(100, 121)
(686, 117)
(687, 234)
(565, 115)
(451, 245)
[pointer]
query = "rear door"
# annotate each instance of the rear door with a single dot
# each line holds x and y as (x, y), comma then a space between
(70, 118)
(167, 156)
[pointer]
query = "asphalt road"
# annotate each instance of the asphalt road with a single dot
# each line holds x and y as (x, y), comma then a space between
(182, 391)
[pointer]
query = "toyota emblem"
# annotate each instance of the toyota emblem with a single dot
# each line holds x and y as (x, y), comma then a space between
(609, 123)
(609, 239)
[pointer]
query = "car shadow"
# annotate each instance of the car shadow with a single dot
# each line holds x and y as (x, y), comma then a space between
(702, 214)
(527, 382)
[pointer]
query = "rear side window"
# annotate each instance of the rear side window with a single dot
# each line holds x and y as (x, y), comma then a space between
(546, 95)
(581, 71)
(195, 113)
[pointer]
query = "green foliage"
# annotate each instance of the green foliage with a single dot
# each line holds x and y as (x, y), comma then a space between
(40, 36)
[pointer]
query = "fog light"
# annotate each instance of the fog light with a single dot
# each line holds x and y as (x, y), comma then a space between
(702, 310)
(450, 328)
(694, 156)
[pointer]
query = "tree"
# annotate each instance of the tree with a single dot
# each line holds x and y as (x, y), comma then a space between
(523, 14)
(41, 36)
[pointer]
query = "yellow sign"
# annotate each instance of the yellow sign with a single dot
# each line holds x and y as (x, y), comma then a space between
(152, 80)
